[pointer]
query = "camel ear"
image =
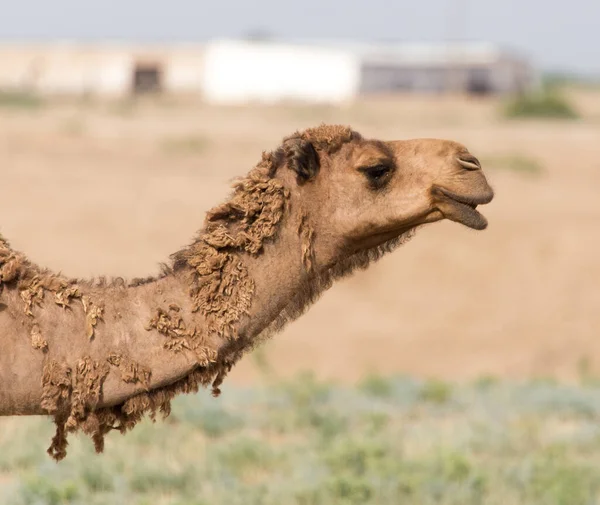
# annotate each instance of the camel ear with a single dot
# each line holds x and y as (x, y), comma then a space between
(301, 156)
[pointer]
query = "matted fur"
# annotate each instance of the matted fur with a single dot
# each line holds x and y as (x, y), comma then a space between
(221, 290)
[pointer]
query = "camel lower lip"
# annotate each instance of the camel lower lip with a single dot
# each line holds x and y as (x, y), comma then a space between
(462, 209)
(466, 214)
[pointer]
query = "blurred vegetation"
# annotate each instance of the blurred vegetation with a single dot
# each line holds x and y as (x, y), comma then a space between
(186, 144)
(20, 100)
(546, 103)
(307, 442)
(574, 81)
(515, 162)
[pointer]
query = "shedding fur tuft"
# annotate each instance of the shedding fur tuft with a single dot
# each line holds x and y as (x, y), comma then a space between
(37, 341)
(56, 382)
(86, 390)
(306, 234)
(221, 288)
(93, 313)
(131, 371)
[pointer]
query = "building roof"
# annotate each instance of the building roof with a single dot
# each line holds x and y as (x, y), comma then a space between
(418, 53)
(414, 54)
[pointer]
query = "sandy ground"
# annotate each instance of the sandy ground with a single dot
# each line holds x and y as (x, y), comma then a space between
(113, 189)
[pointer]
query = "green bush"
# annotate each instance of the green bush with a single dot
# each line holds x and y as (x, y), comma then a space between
(376, 385)
(436, 391)
(545, 104)
(45, 490)
(19, 100)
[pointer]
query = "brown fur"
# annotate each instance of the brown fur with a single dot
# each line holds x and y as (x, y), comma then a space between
(37, 341)
(213, 303)
(130, 370)
(306, 233)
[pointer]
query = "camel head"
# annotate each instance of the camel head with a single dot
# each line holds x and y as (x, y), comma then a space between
(361, 193)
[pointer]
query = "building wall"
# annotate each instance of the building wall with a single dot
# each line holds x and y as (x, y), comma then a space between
(400, 78)
(238, 72)
(71, 71)
(184, 72)
(180, 66)
(104, 69)
(18, 67)
(498, 77)
(65, 69)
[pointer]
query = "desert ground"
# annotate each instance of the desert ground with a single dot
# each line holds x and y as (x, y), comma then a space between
(113, 188)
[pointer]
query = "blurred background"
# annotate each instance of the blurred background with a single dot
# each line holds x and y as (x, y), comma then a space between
(463, 368)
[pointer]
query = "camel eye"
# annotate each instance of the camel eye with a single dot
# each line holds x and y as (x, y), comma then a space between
(376, 175)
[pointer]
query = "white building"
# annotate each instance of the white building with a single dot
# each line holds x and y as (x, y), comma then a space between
(240, 71)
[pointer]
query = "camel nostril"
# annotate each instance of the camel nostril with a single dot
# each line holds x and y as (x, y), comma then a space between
(469, 162)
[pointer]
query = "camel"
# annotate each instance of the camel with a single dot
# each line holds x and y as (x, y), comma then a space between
(97, 355)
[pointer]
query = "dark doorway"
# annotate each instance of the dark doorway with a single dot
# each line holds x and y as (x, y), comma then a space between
(479, 81)
(147, 78)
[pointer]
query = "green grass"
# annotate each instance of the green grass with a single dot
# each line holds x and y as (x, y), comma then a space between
(308, 442)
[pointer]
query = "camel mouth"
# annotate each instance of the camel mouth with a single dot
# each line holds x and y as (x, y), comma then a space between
(463, 209)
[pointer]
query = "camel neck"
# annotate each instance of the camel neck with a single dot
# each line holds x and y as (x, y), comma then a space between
(279, 275)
